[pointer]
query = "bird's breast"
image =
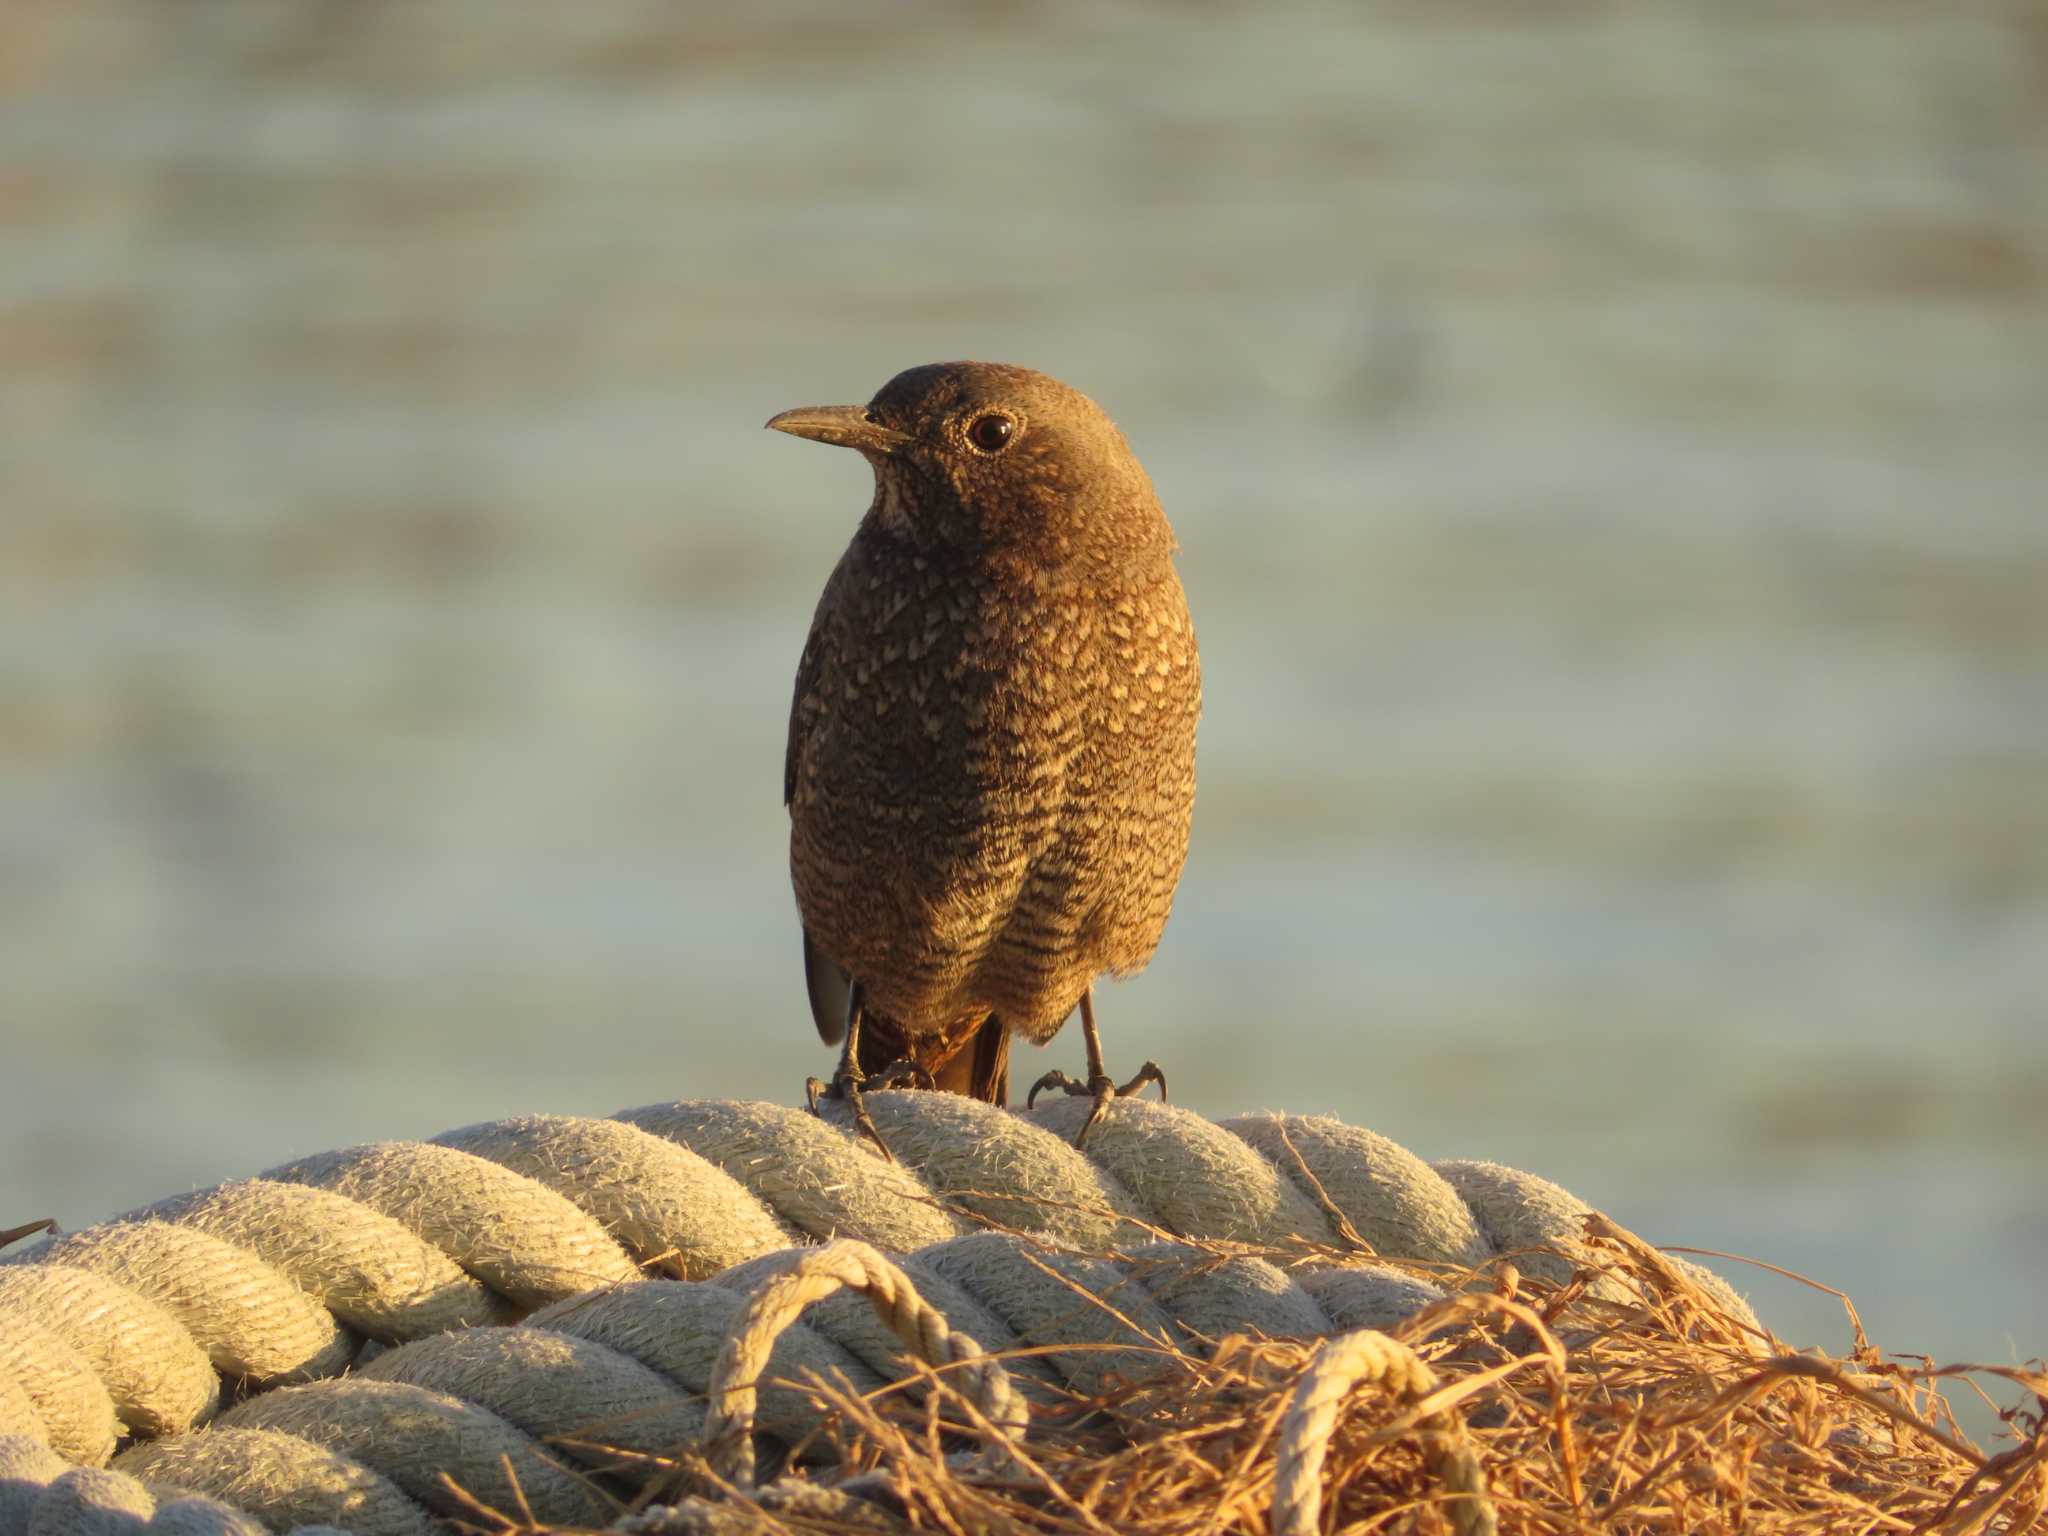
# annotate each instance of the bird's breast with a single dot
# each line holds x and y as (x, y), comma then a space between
(995, 783)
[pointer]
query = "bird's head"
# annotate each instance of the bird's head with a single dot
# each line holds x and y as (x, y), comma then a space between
(986, 458)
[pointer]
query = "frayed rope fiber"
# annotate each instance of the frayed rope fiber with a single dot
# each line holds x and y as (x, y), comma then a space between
(342, 1305)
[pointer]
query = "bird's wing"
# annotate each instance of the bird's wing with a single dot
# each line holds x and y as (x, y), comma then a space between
(803, 704)
(827, 984)
(799, 715)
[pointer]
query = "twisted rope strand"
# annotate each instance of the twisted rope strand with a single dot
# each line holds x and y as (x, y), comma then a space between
(852, 1265)
(1341, 1365)
(275, 1282)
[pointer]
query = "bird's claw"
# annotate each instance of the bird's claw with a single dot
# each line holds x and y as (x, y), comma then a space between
(1053, 1079)
(847, 1085)
(1148, 1073)
(1101, 1089)
(901, 1073)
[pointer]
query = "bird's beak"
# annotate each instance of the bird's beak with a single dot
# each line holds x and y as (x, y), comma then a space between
(845, 426)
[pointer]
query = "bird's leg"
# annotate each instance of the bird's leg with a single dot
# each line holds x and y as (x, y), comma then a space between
(846, 1081)
(1100, 1087)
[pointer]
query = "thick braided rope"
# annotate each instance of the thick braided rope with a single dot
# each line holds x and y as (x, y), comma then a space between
(1340, 1366)
(126, 1328)
(43, 1495)
(850, 1265)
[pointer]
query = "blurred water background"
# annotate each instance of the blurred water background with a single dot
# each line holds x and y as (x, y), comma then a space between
(1607, 441)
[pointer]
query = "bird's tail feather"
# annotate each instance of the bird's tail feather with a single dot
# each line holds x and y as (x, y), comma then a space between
(974, 1060)
(829, 989)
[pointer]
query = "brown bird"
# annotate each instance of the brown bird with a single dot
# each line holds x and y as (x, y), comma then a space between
(991, 763)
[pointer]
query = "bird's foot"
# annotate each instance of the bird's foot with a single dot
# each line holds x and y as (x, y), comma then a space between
(1148, 1073)
(846, 1085)
(903, 1073)
(1101, 1089)
(1058, 1079)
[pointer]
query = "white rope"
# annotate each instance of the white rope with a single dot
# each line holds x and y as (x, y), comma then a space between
(729, 1425)
(282, 1279)
(1339, 1367)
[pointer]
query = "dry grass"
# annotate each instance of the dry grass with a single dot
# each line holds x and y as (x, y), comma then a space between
(1658, 1413)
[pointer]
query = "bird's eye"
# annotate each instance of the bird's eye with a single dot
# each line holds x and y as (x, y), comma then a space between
(990, 431)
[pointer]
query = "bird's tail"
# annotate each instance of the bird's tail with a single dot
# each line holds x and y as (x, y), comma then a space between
(971, 1059)
(829, 990)
(988, 1075)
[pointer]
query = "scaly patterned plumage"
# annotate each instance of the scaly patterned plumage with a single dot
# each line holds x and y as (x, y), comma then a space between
(991, 761)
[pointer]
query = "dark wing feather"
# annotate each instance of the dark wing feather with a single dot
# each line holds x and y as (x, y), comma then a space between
(826, 983)
(807, 670)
